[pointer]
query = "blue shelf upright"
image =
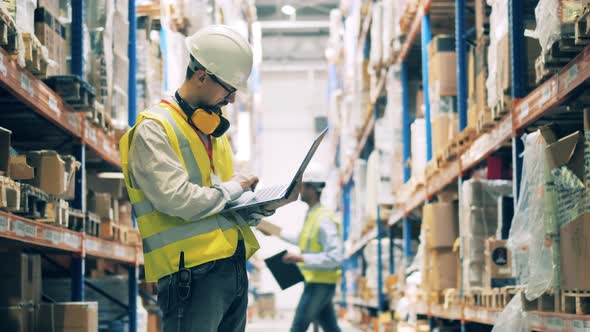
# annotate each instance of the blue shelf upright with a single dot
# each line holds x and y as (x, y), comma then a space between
(426, 36)
(407, 150)
(461, 49)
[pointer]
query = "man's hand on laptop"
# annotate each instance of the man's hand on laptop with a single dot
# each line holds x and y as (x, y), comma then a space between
(292, 198)
(247, 181)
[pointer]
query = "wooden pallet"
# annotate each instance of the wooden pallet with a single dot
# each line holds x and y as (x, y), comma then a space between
(474, 297)
(550, 301)
(501, 108)
(452, 297)
(130, 236)
(543, 72)
(76, 220)
(465, 139)
(35, 55)
(33, 202)
(575, 302)
(9, 194)
(436, 297)
(9, 39)
(110, 231)
(92, 225)
(507, 294)
(431, 168)
(76, 92)
(57, 213)
(485, 122)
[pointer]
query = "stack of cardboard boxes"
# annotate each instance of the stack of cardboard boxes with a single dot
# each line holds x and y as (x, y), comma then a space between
(52, 34)
(479, 221)
(440, 226)
(442, 91)
(568, 160)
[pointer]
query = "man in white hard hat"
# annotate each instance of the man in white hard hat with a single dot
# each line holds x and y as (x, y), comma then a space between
(179, 174)
(320, 261)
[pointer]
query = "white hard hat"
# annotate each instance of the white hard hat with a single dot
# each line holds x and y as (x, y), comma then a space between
(314, 174)
(224, 52)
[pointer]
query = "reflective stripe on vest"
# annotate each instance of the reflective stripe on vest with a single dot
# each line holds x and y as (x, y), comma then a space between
(165, 236)
(183, 232)
(309, 243)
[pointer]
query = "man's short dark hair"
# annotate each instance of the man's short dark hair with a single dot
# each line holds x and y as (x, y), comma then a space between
(192, 68)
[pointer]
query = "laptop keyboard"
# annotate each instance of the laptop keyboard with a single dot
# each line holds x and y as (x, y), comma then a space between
(270, 192)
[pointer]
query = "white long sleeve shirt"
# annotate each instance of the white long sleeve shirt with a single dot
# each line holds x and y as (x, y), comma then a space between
(329, 238)
(156, 169)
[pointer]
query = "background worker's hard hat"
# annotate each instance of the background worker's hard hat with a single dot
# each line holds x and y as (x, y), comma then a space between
(224, 52)
(314, 174)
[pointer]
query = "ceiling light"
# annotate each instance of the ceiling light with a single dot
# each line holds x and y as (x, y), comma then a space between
(288, 10)
(110, 175)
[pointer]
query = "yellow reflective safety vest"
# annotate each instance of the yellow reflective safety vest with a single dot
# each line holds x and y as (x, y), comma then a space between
(309, 243)
(164, 236)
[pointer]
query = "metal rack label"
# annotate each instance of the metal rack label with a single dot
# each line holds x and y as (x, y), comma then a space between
(90, 134)
(571, 75)
(90, 245)
(3, 68)
(554, 323)
(72, 240)
(25, 83)
(25, 230)
(73, 121)
(578, 326)
(4, 224)
(120, 252)
(53, 237)
(53, 105)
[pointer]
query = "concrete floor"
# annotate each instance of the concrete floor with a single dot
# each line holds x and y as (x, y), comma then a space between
(282, 323)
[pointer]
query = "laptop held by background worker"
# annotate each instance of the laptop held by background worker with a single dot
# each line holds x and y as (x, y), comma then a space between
(274, 194)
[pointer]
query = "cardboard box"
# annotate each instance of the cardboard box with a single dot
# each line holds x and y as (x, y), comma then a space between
(51, 5)
(18, 319)
(69, 317)
(21, 284)
(442, 66)
(19, 169)
(51, 33)
(50, 171)
(481, 73)
(125, 214)
(444, 128)
(498, 264)
(575, 254)
(442, 272)
(5, 135)
(115, 187)
(269, 228)
(102, 205)
(441, 224)
(566, 160)
(72, 166)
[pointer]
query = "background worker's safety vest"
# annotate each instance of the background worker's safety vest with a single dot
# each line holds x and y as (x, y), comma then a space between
(309, 243)
(164, 236)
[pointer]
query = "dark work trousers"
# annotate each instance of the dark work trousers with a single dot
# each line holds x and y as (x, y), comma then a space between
(218, 299)
(316, 305)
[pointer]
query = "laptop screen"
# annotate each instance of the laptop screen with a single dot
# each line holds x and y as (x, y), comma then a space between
(306, 160)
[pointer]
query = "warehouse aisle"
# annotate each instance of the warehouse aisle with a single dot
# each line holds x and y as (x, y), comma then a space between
(283, 323)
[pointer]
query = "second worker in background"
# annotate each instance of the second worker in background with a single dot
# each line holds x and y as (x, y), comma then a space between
(320, 261)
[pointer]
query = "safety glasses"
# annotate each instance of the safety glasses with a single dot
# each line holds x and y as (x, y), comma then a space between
(230, 89)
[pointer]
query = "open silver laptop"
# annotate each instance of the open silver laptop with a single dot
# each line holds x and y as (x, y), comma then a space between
(272, 194)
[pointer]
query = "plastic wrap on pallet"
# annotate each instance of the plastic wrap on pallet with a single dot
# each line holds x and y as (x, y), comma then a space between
(351, 31)
(479, 219)
(527, 234)
(418, 133)
(370, 256)
(498, 34)
(375, 56)
(550, 15)
(23, 13)
(334, 45)
(513, 318)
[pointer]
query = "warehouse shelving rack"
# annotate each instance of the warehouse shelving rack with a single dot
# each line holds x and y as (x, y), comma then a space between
(31, 99)
(527, 109)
